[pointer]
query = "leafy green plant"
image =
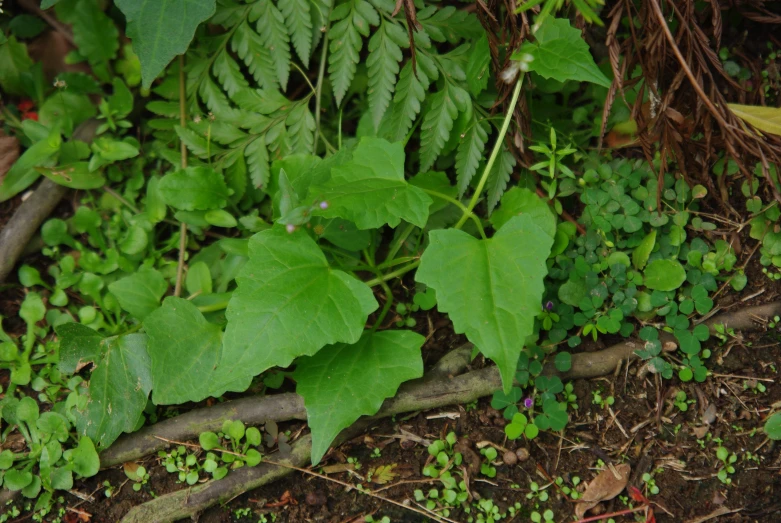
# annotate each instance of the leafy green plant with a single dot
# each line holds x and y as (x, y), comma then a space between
(232, 449)
(727, 460)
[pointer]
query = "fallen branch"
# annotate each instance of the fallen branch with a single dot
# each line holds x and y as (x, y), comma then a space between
(34, 210)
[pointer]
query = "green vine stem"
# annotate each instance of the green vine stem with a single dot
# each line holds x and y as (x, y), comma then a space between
(494, 153)
(467, 212)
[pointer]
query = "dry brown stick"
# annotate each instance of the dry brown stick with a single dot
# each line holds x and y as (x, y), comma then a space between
(34, 210)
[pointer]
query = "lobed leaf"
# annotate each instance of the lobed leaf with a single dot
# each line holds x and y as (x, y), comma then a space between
(343, 382)
(492, 289)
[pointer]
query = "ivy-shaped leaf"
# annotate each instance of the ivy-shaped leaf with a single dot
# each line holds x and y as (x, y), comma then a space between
(492, 289)
(410, 93)
(271, 28)
(184, 350)
(470, 152)
(162, 30)
(119, 384)
(499, 177)
(94, 33)
(299, 26)
(438, 122)
(383, 67)
(370, 190)
(343, 382)
(140, 293)
(559, 52)
(194, 189)
(288, 303)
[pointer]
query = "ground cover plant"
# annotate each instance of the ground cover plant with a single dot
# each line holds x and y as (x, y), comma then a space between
(275, 197)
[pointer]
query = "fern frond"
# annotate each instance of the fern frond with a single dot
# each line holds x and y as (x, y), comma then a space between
(271, 28)
(438, 122)
(410, 93)
(352, 21)
(256, 156)
(498, 178)
(263, 101)
(301, 129)
(448, 24)
(218, 131)
(228, 73)
(470, 152)
(162, 108)
(278, 141)
(319, 11)
(196, 144)
(217, 102)
(383, 67)
(250, 47)
(299, 26)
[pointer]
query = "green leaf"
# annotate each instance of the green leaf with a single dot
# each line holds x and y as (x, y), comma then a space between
(288, 303)
(15, 479)
(273, 33)
(370, 190)
(383, 67)
(162, 30)
(299, 26)
(351, 21)
(84, 458)
(470, 153)
(74, 176)
(251, 48)
(477, 70)
(643, 251)
(438, 122)
(766, 119)
(194, 189)
(22, 174)
(560, 52)
(13, 62)
(519, 201)
(664, 275)
(94, 32)
(199, 278)
(499, 177)
(184, 350)
(256, 155)
(343, 382)
(410, 93)
(119, 384)
(773, 426)
(491, 289)
(140, 293)
(228, 73)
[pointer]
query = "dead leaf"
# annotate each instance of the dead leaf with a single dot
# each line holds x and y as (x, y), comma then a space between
(605, 486)
(384, 474)
(766, 119)
(9, 152)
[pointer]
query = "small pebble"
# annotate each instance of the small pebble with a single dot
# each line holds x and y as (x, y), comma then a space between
(522, 454)
(316, 498)
(509, 458)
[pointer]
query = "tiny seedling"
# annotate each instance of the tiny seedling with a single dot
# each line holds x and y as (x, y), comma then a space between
(726, 469)
(603, 402)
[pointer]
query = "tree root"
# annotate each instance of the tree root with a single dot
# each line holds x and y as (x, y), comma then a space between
(421, 394)
(34, 210)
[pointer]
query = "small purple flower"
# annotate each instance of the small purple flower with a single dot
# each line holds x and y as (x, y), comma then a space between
(290, 228)
(324, 205)
(528, 403)
(549, 306)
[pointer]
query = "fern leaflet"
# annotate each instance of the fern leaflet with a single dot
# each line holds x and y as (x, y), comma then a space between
(470, 152)
(353, 19)
(498, 178)
(410, 93)
(256, 156)
(272, 30)
(383, 67)
(228, 73)
(299, 26)
(250, 47)
(438, 122)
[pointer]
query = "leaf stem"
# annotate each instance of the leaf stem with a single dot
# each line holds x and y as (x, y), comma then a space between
(386, 307)
(396, 246)
(461, 206)
(494, 153)
(394, 274)
(319, 89)
(183, 149)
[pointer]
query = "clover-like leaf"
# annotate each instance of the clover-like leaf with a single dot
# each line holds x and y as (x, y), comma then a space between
(343, 382)
(559, 52)
(184, 349)
(492, 289)
(370, 190)
(288, 303)
(664, 275)
(119, 383)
